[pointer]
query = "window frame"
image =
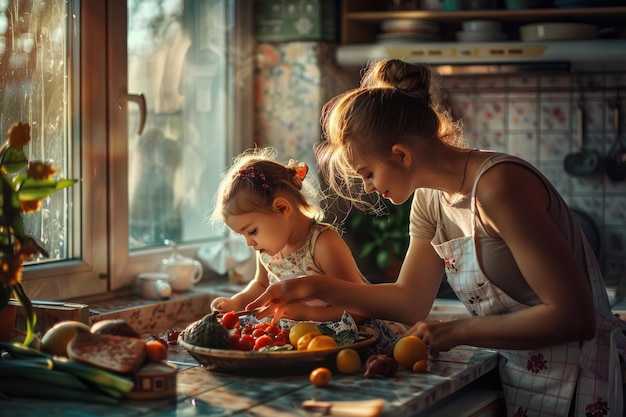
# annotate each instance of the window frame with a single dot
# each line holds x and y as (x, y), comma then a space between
(102, 264)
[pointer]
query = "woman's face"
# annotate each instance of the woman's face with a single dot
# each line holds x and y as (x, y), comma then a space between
(389, 180)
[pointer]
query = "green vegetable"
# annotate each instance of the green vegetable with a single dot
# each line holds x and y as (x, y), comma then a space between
(207, 332)
(28, 359)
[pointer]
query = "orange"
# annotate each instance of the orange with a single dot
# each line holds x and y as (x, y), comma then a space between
(300, 329)
(408, 350)
(420, 366)
(304, 340)
(322, 342)
(348, 361)
(320, 376)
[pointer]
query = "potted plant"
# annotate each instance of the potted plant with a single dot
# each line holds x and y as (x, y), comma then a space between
(382, 239)
(22, 192)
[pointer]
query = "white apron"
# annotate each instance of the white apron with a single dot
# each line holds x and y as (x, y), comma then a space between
(541, 382)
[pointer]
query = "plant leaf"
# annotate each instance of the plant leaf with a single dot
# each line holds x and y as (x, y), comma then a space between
(31, 189)
(31, 317)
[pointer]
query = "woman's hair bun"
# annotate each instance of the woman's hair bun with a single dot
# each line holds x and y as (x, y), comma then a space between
(410, 78)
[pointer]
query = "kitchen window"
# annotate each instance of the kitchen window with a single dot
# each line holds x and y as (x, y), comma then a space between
(140, 99)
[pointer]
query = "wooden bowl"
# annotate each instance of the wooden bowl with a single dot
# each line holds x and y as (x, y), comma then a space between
(272, 363)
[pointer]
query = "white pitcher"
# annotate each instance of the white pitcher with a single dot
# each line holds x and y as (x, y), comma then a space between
(184, 272)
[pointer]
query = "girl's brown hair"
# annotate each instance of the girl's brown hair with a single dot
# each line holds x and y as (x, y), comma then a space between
(255, 179)
(395, 103)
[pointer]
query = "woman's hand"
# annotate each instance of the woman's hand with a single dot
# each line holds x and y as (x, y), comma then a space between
(438, 335)
(274, 300)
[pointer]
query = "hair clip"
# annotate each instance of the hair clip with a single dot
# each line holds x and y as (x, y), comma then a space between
(300, 169)
(255, 176)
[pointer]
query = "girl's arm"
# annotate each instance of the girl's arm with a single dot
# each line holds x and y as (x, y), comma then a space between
(333, 256)
(513, 203)
(239, 301)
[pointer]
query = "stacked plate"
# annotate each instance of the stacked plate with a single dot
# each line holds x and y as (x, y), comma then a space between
(555, 31)
(408, 30)
(481, 31)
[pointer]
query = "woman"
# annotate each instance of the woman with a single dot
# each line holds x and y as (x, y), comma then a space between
(495, 226)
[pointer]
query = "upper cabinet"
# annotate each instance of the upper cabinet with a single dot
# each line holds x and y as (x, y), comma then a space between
(362, 19)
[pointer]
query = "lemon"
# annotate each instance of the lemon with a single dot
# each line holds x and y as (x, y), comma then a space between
(348, 361)
(56, 338)
(300, 329)
(408, 350)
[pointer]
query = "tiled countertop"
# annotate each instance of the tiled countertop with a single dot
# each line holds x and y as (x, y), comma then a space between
(206, 393)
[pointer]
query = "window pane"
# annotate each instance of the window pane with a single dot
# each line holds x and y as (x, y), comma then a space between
(177, 59)
(33, 89)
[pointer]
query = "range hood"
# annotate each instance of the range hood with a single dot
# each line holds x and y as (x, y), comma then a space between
(587, 55)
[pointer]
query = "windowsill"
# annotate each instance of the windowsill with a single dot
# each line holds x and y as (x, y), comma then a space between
(156, 316)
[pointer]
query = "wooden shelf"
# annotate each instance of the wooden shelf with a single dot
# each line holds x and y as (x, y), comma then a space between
(361, 25)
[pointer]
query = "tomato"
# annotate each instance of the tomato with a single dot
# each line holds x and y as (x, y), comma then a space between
(246, 342)
(233, 342)
(156, 350)
(272, 330)
(172, 337)
(258, 332)
(263, 341)
(281, 339)
(230, 320)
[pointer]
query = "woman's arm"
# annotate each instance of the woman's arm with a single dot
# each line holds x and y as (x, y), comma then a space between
(407, 300)
(513, 203)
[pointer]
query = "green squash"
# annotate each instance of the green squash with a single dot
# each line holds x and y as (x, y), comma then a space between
(207, 332)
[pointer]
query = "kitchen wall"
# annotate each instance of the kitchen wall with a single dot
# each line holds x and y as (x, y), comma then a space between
(532, 116)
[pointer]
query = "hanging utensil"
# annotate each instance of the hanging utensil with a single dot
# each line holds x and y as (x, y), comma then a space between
(585, 161)
(615, 161)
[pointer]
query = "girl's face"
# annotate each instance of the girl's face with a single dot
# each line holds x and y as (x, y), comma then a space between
(264, 232)
(390, 182)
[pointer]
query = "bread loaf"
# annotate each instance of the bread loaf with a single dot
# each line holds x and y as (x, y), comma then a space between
(113, 353)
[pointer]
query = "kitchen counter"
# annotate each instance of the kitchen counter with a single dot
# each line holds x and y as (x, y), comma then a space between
(206, 393)
(464, 372)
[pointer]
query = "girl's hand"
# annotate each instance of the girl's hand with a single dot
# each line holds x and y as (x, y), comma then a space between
(224, 304)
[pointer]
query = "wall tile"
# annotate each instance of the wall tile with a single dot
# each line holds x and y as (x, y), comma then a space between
(534, 117)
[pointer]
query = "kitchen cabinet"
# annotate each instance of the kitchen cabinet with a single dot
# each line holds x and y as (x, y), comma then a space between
(360, 19)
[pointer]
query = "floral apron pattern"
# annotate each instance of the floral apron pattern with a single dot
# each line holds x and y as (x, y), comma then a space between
(542, 382)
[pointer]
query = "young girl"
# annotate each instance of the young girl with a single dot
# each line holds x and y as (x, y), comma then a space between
(494, 226)
(269, 204)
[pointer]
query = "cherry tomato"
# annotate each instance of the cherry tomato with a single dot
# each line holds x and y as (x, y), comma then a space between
(258, 332)
(246, 342)
(272, 330)
(156, 350)
(281, 340)
(263, 341)
(172, 337)
(230, 320)
(233, 341)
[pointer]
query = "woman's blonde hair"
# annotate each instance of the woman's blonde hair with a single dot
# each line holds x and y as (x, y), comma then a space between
(255, 179)
(396, 103)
